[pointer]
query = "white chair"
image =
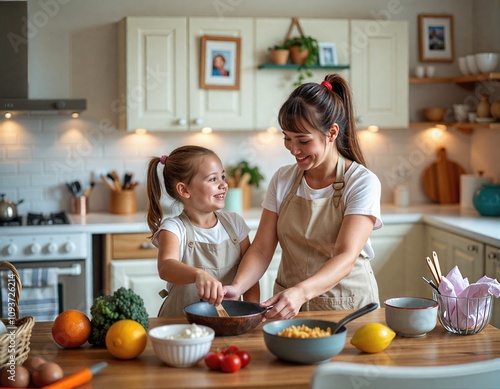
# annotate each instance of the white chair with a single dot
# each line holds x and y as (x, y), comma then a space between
(476, 375)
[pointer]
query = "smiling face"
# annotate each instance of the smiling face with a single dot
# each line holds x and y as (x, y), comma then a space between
(207, 189)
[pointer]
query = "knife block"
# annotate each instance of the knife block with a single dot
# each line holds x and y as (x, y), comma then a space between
(123, 202)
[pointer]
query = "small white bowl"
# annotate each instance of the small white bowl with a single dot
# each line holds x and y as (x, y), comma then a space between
(411, 316)
(180, 352)
(486, 62)
(462, 65)
(471, 64)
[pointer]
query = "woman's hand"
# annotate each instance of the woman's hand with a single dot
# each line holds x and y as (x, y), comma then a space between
(209, 288)
(286, 303)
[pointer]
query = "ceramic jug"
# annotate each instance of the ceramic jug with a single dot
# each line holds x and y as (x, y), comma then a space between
(487, 200)
(483, 108)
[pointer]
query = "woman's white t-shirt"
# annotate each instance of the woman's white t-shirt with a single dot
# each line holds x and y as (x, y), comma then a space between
(217, 234)
(361, 194)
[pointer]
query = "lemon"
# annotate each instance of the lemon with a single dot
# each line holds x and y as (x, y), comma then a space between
(126, 339)
(372, 338)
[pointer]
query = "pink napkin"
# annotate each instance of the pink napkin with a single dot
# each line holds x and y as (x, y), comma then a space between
(464, 313)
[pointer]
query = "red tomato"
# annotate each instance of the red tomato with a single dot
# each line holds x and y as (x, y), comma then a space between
(213, 360)
(229, 350)
(244, 356)
(231, 363)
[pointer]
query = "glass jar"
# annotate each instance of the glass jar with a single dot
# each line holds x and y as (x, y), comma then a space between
(487, 200)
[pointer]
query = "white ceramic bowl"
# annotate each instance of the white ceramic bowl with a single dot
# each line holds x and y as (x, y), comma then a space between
(179, 352)
(462, 65)
(411, 316)
(486, 62)
(471, 64)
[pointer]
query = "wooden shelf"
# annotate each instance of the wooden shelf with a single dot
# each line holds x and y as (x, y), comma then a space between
(456, 80)
(290, 66)
(466, 127)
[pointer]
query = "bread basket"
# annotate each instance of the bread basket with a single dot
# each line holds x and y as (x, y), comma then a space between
(15, 343)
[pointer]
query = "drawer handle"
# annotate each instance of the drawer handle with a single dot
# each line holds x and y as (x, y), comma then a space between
(472, 247)
(494, 256)
(147, 246)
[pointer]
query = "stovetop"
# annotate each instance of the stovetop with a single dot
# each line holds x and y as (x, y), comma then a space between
(37, 219)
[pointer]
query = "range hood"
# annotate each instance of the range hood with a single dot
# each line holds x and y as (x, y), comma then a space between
(14, 99)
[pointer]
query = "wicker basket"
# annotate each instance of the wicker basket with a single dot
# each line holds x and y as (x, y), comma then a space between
(15, 347)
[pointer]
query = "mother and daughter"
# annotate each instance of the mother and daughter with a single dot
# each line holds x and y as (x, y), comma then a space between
(321, 210)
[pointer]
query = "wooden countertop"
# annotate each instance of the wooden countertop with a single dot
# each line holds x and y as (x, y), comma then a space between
(436, 348)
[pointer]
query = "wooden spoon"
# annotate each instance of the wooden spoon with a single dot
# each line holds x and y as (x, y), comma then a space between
(221, 311)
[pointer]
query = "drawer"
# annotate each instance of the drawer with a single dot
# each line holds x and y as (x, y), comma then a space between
(132, 246)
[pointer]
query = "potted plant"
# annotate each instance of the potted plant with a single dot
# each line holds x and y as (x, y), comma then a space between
(304, 50)
(279, 54)
(245, 176)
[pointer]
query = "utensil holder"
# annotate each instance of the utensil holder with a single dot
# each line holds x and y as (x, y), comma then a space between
(123, 202)
(15, 343)
(464, 315)
(79, 205)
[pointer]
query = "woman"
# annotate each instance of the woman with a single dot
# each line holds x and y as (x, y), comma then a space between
(321, 210)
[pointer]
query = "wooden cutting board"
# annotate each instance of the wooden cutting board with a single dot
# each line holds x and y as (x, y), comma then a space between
(441, 180)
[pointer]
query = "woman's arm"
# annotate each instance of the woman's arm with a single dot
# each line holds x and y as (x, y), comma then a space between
(353, 234)
(257, 258)
(171, 269)
(252, 294)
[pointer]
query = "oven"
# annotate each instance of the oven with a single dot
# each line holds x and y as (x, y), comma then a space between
(36, 251)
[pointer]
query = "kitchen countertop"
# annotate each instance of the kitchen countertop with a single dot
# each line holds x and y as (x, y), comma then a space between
(449, 217)
(437, 347)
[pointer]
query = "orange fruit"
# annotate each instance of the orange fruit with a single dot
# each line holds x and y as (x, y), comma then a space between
(126, 339)
(71, 328)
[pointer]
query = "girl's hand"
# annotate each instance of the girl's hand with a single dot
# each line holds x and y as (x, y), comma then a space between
(231, 293)
(209, 288)
(286, 303)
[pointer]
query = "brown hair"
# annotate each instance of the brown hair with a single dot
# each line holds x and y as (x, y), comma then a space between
(315, 105)
(180, 166)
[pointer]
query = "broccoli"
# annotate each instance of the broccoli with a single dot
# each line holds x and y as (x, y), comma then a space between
(106, 310)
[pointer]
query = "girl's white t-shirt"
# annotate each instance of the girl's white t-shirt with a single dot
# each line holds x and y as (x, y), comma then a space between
(217, 234)
(361, 194)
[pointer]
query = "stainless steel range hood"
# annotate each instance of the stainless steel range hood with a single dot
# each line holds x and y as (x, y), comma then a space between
(14, 97)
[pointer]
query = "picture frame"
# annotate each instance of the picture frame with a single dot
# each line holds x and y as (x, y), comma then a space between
(220, 62)
(435, 38)
(327, 54)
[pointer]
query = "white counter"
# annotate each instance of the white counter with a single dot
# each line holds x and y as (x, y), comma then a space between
(451, 218)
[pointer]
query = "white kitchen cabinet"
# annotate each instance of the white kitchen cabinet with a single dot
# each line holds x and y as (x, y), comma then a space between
(456, 250)
(399, 262)
(159, 70)
(274, 85)
(492, 270)
(379, 72)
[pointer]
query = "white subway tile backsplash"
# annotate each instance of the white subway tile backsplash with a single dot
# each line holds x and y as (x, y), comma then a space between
(8, 167)
(30, 167)
(31, 193)
(12, 181)
(19, 152)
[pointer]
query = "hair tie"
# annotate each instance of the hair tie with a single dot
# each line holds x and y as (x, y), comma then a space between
(327, 85)
(163, 158)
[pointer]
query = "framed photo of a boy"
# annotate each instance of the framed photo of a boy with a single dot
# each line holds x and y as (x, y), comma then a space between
(435, 34)
(220, 62)
(327, 54)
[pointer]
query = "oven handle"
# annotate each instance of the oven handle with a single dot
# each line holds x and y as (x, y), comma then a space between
(73, 270)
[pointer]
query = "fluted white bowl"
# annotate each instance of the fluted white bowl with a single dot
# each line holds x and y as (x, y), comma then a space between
(180, 352)
(486, 62)
(462, 65)
(471, 64)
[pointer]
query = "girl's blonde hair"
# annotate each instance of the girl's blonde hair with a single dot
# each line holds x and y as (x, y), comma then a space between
(180, 166)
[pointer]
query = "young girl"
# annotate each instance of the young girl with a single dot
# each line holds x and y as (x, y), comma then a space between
(200, 249)
(321, 210)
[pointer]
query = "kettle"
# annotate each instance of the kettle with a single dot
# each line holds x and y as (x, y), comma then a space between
(8, 209)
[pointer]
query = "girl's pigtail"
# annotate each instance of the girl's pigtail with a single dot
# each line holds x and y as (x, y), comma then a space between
(155, 211)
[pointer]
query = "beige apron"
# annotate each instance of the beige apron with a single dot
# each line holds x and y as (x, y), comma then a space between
(219, 260)
(307, 231)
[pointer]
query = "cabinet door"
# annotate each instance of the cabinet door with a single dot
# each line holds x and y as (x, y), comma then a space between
(221, 109)
(379, 72)
(142, 277)
(152, 73)
(273, 86)
(492, 270)
(456, 250)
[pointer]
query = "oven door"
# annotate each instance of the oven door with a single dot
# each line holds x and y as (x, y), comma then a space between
(68, 290)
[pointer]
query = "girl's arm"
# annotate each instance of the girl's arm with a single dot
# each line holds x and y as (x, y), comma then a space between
(171, 269)
(252, 294)
(257, 258)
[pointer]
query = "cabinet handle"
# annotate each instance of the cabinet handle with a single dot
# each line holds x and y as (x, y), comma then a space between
(147, 246)
(472, 247)
(198, 121)
(494, 256)
(181, 122)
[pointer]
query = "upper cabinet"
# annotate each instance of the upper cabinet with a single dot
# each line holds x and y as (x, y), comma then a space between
(159, 75)
(379, 72)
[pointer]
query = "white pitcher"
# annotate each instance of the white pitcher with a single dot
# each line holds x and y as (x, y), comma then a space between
(460, 111)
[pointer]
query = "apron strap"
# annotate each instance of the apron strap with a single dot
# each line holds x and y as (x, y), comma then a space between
(228, 227)
(189, 231)
(339, 183)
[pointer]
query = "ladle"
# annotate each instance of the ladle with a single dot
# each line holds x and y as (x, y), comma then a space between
(360, 312)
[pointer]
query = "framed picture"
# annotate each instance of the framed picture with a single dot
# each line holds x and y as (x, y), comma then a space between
(220, 62)
(327, 54)
(435, 38)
